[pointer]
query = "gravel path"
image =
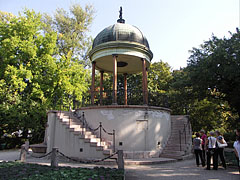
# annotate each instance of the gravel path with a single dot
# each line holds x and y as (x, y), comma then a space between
(181, 170)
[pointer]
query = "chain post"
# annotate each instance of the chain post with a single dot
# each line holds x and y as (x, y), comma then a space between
(185, 133)
(180, 140)
(23, 154)
(114, 141)
(54, 160)
(100, 126)
(120, 160)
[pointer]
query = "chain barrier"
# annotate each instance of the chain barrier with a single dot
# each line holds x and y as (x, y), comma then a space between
(94, 129)
(45, 155)
(72, 159)
(86, 161)
(107, 132)
(82, 119)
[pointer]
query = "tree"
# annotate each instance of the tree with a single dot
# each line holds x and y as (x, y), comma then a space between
(33, 76)
(27, 69)
(72, 29)
(159, 77)
(214, 69)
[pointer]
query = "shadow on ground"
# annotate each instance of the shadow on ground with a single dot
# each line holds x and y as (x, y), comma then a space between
(181, 170)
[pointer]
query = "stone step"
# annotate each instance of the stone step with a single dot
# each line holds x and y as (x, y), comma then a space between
(107, 152)
(175, 148)
(93, 144)
(88, 140)
(74, 125)
(177, 144)
(171, 156)
(179, 153)
(99, 148)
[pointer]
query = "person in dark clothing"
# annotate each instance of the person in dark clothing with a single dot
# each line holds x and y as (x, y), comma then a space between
(219, 150)
(197, 143)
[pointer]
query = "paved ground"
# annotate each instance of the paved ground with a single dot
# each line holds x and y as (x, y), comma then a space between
(181, 170)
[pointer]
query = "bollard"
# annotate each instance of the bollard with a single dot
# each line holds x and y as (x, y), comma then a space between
(54, 160)
(27, 145)
(23, 154)
(120, 161)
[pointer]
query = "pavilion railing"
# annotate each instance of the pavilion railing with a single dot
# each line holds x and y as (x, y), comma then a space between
(134, 97)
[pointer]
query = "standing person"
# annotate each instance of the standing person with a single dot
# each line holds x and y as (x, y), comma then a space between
(197, 144)
(211, 151)
(235, 149)
(219, 150)
(204, 139)
(236, 146)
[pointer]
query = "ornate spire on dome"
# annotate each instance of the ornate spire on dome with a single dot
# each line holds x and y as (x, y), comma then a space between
(120, 20)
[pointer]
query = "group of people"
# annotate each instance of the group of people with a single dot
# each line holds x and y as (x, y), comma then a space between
(212, 146)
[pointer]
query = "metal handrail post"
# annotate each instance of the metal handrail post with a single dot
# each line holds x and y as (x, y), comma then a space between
(69, 120)
(100, 133)
(82, 122)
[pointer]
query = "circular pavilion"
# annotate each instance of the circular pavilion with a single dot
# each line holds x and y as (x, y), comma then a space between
(120, 48)
(141, 130)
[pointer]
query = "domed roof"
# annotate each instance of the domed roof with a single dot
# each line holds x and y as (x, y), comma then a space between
(120, 32)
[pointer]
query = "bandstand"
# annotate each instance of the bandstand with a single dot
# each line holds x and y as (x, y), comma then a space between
(141, 131)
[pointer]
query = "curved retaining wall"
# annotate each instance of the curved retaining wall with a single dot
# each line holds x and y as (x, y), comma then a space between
(141, 131)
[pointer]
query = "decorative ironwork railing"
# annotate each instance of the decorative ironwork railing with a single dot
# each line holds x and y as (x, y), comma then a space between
(133, 98)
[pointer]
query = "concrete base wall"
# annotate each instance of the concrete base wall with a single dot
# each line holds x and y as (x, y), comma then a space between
(143, 131)
(61, 136)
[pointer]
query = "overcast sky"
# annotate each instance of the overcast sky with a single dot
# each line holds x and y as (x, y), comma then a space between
(172, 27)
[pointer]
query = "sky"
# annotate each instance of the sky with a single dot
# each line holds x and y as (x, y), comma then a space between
(172, 27)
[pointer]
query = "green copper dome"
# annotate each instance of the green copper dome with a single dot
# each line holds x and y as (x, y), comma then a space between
(120, 32)
(124, 41)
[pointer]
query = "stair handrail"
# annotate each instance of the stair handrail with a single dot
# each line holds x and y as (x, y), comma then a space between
(100, 127)
(184, 132)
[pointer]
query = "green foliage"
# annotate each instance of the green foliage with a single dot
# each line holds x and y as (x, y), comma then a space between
(72, 28)
(17, 170)
(34, 75)
(214, 69)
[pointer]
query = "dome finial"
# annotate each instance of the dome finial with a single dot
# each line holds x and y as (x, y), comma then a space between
(120, 20)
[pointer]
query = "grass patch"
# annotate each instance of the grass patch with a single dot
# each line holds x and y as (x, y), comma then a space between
(24, 171)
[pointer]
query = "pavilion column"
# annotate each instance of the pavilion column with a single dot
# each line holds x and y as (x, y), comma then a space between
(144, 82)
(146, 85)
(125, 89)
(114, 79)
(93, 83)
(101, 87)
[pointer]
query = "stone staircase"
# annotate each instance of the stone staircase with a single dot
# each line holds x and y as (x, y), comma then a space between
(85, 143)
(179, 145)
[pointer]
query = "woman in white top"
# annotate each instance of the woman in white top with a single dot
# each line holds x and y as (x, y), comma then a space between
(236, 146)
(211, 151)
(219, 150)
